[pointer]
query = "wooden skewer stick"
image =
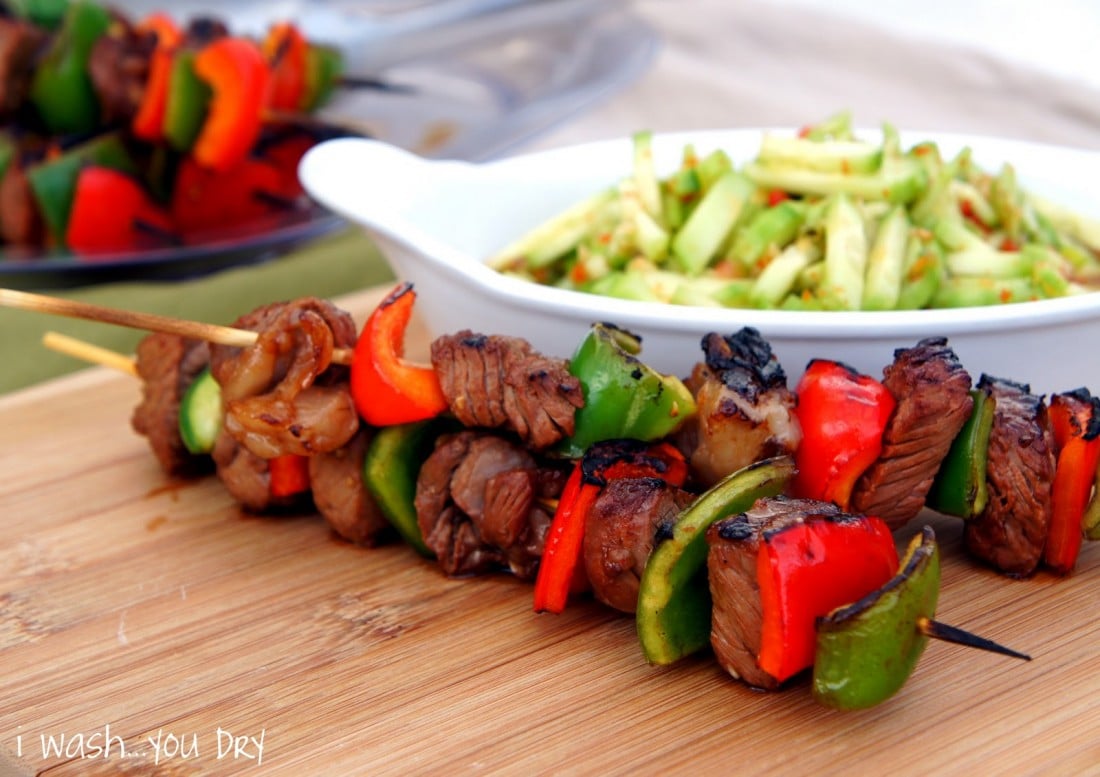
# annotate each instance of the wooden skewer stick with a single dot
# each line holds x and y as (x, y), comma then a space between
(937, 630)
(309, 121)
(40, 303)
(221, 335)
(374, 84)
(89, 352)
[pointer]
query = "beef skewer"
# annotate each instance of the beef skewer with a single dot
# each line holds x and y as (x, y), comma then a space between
(930, 386)
(503, 534)
(214, 123)
(168, 365)
(494, 505)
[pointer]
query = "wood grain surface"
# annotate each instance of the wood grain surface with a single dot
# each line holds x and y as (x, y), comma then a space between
(137, 610)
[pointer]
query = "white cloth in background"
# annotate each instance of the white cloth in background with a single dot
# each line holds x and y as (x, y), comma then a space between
(746, 63)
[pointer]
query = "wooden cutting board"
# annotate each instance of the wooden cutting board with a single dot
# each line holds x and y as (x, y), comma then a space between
(137, 610)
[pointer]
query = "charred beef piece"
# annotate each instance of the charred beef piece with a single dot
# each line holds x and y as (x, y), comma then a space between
(167, 365)
(119, 68)
(737, 614)
(494, 381)
(1012, 530)
(745, 410)
(478, 504)
(284, 395)
(932, 391)
(20, 43)
(620, 534)
(246, 476)
(336, 481)
(20, 218)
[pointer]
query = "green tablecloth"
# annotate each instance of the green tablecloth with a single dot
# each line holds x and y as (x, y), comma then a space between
(334, 265)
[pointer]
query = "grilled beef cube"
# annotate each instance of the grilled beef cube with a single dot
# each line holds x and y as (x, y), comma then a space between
(119, 69)
(932, 391)
(479, 504)
(737, 614)
(495, 381)
(745, 410)
(20, 43)
(167, 365)
(245, 476)
(21, 221)
(620, 534)
(341, 496)
(1012, 530)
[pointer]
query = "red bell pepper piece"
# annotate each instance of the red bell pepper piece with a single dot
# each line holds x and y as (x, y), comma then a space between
(560, 571)
(285, 48)
(388, 390)
(205, 199)
(289, 475)
(238, 76)
(148, 122)
(808, 569)
(1075, 421)
(285, 154)
(843, 415)
(112, 212)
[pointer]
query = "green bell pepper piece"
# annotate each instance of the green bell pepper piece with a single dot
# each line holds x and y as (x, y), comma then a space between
(54, 182)
(959, 487)
(390, 469)
(8, 151)
(188, 98)
(674, 604)
(324, 65)
(867, 650)
(1090, 520)
(623, 398)
(44, 13)
(61, 89)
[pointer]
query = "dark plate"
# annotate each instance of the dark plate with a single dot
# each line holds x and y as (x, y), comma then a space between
(257, 242)
(472, 91)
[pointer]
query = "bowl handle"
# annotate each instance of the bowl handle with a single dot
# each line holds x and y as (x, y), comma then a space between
(372, 182)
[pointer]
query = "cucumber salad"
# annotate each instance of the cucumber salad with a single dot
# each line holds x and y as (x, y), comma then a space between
(818, 220)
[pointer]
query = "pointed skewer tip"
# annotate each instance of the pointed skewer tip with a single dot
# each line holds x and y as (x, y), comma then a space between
(937, 630)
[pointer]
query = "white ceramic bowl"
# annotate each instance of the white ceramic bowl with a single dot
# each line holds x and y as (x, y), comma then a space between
(437, 222)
